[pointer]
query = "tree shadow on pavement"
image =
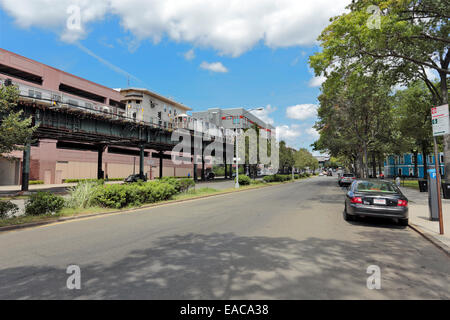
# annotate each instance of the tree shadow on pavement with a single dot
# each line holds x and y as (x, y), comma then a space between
(228, 266)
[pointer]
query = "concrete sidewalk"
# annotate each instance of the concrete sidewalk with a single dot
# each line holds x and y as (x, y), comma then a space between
(419, 216)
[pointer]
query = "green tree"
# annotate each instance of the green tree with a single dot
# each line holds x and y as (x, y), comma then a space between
(287, 160)
(411, 38)
(354, 115)
(412, 110)
(15, 130)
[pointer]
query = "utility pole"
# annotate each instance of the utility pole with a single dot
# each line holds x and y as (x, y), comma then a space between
(438, 185)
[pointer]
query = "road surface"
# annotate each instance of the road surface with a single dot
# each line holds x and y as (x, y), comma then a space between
(283, 242)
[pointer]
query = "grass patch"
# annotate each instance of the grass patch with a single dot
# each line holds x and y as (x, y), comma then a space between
(410, 184)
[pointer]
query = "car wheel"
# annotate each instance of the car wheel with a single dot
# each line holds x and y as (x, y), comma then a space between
(347, 217)
(403, 222)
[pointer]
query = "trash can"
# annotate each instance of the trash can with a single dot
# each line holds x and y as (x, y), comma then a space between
(446, 189)
(423, 185)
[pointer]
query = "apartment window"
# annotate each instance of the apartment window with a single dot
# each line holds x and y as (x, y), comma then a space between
(442, 158)
(138, 101)
(165, 108)
(430, 159)
(403, 159)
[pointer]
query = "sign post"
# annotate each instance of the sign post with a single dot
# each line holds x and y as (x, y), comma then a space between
(441, 126)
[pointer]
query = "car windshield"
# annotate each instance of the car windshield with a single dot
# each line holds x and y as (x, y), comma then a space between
(376, 186)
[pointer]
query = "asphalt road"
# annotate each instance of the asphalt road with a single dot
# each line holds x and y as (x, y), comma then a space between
(284, 242)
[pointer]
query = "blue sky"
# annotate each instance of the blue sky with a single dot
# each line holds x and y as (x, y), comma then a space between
(245, 66)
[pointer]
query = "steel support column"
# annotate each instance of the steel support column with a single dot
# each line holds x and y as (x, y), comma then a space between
(161, 164)
(195, 172)
(26, 167)
(141, 161)
(100, 173)
(203, 168)
(226, 171)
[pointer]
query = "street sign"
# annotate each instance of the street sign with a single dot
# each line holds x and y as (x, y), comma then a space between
(440, 120)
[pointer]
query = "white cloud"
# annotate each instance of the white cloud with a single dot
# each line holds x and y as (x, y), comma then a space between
(231, 27)
(301, 111)
(313, 133)
(214, 67)
(316, 81)
(189, 55)
(288, 133)
(264, 114)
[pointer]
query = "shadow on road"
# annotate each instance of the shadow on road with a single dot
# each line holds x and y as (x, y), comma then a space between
(227, 266)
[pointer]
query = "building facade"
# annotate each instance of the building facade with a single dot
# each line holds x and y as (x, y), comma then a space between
(235, 118)
(150, 107)
(404, 165)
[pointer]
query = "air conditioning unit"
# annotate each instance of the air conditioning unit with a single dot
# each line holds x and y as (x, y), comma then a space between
(64, 105)
(106, 109)
(152, 104)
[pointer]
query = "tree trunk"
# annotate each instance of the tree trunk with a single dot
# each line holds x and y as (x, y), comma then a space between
(374, 165)
(416, 164)
(425, 165)
(380, 164)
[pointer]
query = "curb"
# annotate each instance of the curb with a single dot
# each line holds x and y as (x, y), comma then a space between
(431, 238)
(53, 221)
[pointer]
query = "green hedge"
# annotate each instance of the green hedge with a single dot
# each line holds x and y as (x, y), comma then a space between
(35, 182)
(6, 208)
(43, 203)
(278, 178)
(120, 196)
(244, 180)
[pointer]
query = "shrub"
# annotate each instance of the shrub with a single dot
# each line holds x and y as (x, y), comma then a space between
(120, 196)
(244, 180)
(81, 196)
(35, 182)
(185, 184)
(7, 208)
(278, 178)
(42, 203)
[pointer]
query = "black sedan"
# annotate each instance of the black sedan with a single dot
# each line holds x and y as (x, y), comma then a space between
(376, 198)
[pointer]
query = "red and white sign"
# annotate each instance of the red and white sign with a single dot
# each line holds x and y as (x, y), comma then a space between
(440, 120)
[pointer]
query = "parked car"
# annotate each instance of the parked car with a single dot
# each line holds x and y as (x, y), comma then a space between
(135, 178)
(376, 198)
(346, 179)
